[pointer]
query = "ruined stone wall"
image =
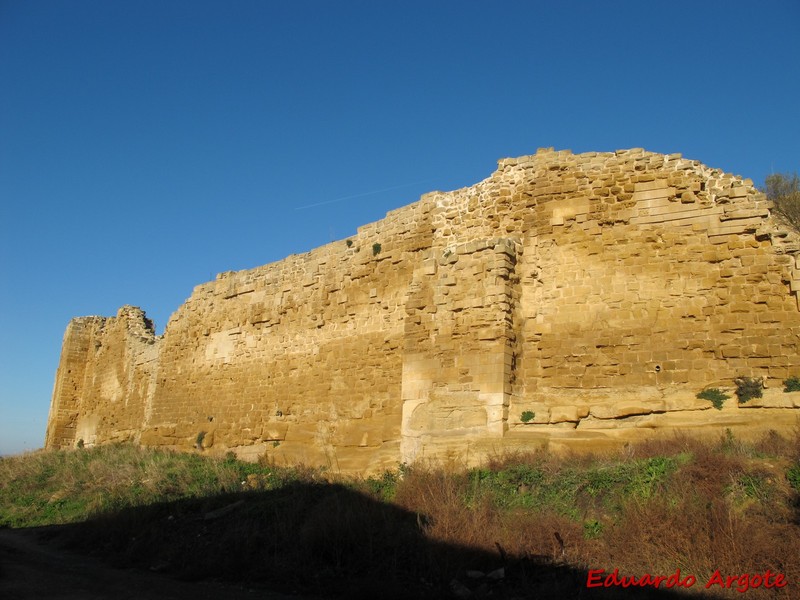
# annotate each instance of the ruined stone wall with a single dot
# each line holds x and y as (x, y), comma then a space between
(300, 358)
(597, 292)
(105, 380)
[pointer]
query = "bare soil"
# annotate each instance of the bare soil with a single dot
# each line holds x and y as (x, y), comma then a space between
(34, 567)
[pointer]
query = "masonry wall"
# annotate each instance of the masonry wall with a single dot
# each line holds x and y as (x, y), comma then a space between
(597, 292)
(105, 381)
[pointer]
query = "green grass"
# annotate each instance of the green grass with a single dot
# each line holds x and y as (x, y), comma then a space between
(47, 488)
(413, 529)
(569, 490)
(793, 476)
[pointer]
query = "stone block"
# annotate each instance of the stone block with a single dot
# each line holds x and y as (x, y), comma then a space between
(559, 414)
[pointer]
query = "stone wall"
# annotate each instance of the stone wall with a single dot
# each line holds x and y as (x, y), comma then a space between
(593, 294)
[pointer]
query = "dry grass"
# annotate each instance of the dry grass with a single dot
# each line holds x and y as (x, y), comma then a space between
(724, 506)
(416, 532)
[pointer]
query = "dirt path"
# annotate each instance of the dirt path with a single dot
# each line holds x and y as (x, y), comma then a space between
(32, 569)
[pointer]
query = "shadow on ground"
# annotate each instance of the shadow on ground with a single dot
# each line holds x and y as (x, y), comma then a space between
(321, 540)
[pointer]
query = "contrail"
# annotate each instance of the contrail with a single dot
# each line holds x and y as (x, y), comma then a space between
(389, 189)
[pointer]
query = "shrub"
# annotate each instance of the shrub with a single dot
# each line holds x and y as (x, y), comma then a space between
(385, 486)
(349, 243)
(748, 388)
(527, 416)
(376, 248)
(784, 191)
(715, 395)
(792, 384)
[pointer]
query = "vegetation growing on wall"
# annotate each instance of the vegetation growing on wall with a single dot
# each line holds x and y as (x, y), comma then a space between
(748, 388)
(792, 384)
(716, 396)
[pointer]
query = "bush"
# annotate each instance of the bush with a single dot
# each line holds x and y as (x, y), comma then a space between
(385, 486)
(748, 388)
(715, 395)
(792, 384)
(376, 249)
(527, 416)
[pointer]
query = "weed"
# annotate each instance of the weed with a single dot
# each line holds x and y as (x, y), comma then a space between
(376, 249)
(527, 416)
(728, 442)
(198, 442)
(792, 384)
(651, 475)
(385, 486)
(603, 479)
(715, 395)
(793, 476)
(748, 388)
(592, 529)
(349, 243)
(749, 487)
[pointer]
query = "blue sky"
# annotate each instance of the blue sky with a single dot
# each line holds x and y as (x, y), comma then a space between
(146, 146)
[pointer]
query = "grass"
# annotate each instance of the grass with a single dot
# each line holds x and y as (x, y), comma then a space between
(48, 488)
(414, 531)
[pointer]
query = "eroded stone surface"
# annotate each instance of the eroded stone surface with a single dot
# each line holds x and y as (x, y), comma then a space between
(599, 292)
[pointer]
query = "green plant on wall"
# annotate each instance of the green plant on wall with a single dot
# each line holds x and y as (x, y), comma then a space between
(349, 243)
(792, 384)
(716, 396)
(748, 388)
(198, 442)
(376, 248)
(527, 416)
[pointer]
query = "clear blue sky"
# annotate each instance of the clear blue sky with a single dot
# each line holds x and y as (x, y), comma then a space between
(147, 145)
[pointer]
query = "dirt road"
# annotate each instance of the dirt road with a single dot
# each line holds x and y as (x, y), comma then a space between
(33, 569)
